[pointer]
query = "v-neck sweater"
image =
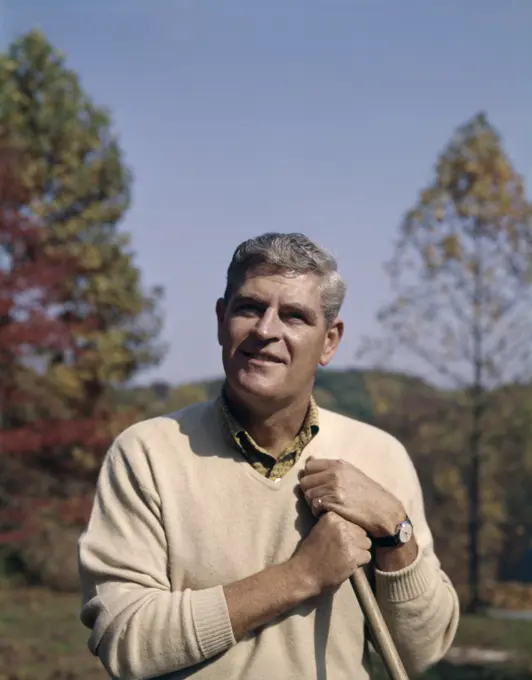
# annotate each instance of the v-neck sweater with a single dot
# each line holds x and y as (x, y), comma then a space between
(179, 513)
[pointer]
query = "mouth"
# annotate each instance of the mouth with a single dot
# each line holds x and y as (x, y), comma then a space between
(262, 357)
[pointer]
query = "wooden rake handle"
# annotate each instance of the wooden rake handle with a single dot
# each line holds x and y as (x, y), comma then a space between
(381, 635)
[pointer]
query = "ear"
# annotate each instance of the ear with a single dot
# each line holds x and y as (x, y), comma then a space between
(221, 309)
(332, 340)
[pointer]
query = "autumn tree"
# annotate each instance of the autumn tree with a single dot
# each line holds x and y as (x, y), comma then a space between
(75, 320)
(462, 274)
(80, 191)
(29, 283)
(32, 325)
(30, 289)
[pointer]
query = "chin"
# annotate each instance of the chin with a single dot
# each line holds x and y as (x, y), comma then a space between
(257, 386)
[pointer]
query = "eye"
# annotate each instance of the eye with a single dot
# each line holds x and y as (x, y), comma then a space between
(247, 309)
(295, 317)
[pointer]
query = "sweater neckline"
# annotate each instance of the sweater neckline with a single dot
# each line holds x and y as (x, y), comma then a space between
(290, 478)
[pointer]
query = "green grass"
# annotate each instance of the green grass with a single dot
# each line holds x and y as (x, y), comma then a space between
(41, 638)
(511, 635)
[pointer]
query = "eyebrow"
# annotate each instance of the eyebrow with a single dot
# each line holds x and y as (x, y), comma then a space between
(248, 298)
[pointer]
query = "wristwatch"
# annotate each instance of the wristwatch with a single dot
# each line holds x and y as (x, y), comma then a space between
(402, 535)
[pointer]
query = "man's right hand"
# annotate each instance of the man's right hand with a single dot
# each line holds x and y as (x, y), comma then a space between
(332, 552)
(329, 555)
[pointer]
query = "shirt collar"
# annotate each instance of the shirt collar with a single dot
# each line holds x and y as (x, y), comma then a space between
(241, 437)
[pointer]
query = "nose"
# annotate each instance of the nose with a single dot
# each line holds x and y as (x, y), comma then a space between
(267, 326)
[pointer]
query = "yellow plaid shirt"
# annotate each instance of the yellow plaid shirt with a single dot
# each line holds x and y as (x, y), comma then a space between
(259, 458)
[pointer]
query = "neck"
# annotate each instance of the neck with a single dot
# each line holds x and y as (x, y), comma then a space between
(272, 427)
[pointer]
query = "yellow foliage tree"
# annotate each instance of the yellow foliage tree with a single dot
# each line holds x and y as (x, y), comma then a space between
(462, 275)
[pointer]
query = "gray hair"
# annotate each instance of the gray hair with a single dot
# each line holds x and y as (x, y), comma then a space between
(291, 253)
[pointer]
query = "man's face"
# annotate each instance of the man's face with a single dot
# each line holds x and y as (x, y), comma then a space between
(273, 336)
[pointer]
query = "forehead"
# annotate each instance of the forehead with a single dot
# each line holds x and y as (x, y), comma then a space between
(282, 288)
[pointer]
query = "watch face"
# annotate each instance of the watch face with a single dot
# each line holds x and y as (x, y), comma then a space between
(405, 532)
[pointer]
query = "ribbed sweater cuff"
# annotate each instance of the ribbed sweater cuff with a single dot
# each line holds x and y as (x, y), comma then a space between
(406, 584)
(211, 621)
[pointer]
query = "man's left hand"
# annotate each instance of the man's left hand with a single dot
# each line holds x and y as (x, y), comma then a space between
(338, 486)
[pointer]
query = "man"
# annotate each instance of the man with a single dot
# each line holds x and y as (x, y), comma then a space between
(223, 536)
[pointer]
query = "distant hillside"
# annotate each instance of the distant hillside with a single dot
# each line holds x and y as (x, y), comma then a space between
(361, 394)
(365, 395)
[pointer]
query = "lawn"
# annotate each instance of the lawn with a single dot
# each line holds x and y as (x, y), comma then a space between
(41, 638)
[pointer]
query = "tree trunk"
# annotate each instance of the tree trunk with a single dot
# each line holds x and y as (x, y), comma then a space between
(475, 515)
(477, 407)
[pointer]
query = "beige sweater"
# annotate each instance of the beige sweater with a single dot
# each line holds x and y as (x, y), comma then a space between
(179, 513)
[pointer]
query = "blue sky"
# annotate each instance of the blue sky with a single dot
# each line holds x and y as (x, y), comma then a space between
(240, 117)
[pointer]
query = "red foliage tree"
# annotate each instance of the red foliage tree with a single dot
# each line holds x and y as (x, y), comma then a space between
(36, 432)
